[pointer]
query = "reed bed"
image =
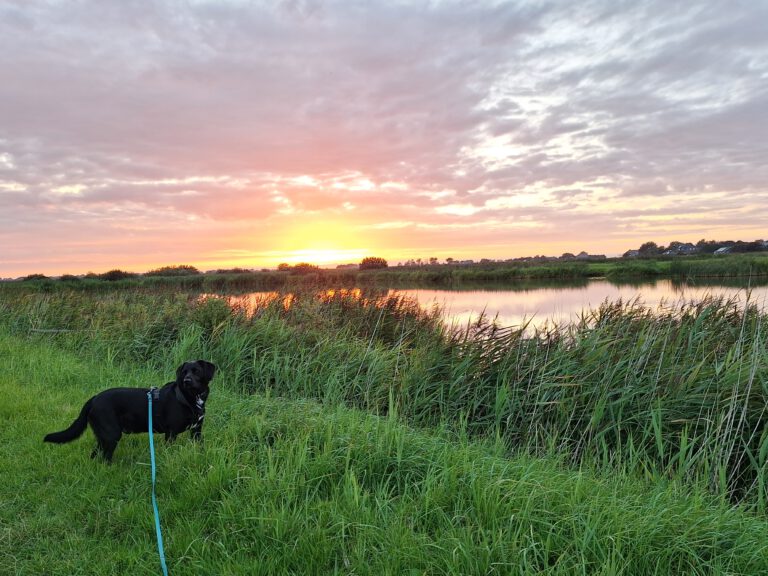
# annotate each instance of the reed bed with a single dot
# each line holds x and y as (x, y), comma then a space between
(676, 394)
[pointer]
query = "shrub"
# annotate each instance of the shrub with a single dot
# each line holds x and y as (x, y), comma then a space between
(183, 270)
(304, 268)
(373, 263)
(114, 275)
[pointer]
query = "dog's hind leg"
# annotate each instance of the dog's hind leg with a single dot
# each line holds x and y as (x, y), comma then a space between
(105, 446)
(107, 437)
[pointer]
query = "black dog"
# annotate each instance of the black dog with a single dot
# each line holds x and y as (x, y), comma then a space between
(176, 407)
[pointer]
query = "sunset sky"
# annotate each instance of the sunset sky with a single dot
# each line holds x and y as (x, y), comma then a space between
(139, 134)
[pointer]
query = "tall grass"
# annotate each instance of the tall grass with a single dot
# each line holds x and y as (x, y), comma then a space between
(737, 266)
(289, 487)
(677, 393)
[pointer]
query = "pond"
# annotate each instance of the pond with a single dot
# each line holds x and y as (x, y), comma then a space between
(546, 304)
(562, 304)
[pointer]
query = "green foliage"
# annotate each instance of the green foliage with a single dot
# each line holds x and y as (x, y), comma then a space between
(182, 270)
(743, 266)
(671, 394)
(373, 263)
(650, 249)
(512, 275)
(303, 268)
(291, 487)
(114, 275)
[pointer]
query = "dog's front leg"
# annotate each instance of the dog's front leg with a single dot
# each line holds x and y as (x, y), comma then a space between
(170, 437)
(196, 431)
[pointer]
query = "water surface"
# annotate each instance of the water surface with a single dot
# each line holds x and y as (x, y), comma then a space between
(544, 304)
(563, 304)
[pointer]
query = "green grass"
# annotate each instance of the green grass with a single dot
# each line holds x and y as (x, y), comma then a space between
(680, 394)
(291, 487)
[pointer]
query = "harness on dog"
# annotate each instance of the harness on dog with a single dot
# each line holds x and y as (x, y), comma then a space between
(155, 393)
(198, 409)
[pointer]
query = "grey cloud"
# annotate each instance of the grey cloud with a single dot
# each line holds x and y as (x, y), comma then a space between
(650, 97)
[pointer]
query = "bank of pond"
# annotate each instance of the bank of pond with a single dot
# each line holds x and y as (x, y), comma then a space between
(730, 268)
(671, 392)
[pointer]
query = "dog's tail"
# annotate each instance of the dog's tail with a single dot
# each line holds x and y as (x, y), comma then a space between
(74, 431)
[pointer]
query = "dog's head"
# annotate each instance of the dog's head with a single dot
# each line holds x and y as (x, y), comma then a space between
(195, 376)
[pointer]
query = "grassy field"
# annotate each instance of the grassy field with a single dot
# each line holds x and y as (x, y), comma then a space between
(629, 443)
(289, 487)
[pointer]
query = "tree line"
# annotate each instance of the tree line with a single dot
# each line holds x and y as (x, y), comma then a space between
(701, 247)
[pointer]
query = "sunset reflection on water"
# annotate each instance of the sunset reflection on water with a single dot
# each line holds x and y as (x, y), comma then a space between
(561, 305)
(537, 307)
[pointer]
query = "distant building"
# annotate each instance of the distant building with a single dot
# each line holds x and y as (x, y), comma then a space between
(681, 249)
(723, 251)
(584, 256)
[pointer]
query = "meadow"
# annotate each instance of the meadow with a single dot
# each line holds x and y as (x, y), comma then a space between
(355, 433)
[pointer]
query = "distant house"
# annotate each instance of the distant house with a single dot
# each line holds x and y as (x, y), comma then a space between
(723, 251)
(584, 256)
(681, 249)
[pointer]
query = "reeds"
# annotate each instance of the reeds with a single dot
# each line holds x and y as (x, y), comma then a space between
(676, 393)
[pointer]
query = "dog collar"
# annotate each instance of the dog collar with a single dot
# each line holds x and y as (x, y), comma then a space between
(199, 406)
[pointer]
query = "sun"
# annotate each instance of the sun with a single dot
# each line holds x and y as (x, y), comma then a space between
(323, 242)
(325, 256)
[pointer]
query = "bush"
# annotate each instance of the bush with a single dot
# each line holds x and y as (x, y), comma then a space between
(114, 275)
(373, 263)
(183, 270)
(304, 268)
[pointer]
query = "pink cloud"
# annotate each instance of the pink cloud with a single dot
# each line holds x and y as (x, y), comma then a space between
(175, 132)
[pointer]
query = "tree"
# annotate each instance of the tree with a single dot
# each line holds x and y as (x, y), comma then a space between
(373, 263)
(283, 267)
(304, 268)
(649, 249)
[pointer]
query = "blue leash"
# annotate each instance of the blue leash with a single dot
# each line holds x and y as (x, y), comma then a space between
(154, 496)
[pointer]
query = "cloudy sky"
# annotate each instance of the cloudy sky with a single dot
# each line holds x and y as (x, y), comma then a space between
(136, 133)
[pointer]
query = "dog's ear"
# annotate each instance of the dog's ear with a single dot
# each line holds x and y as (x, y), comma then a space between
(209, 369)
(178, 372)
